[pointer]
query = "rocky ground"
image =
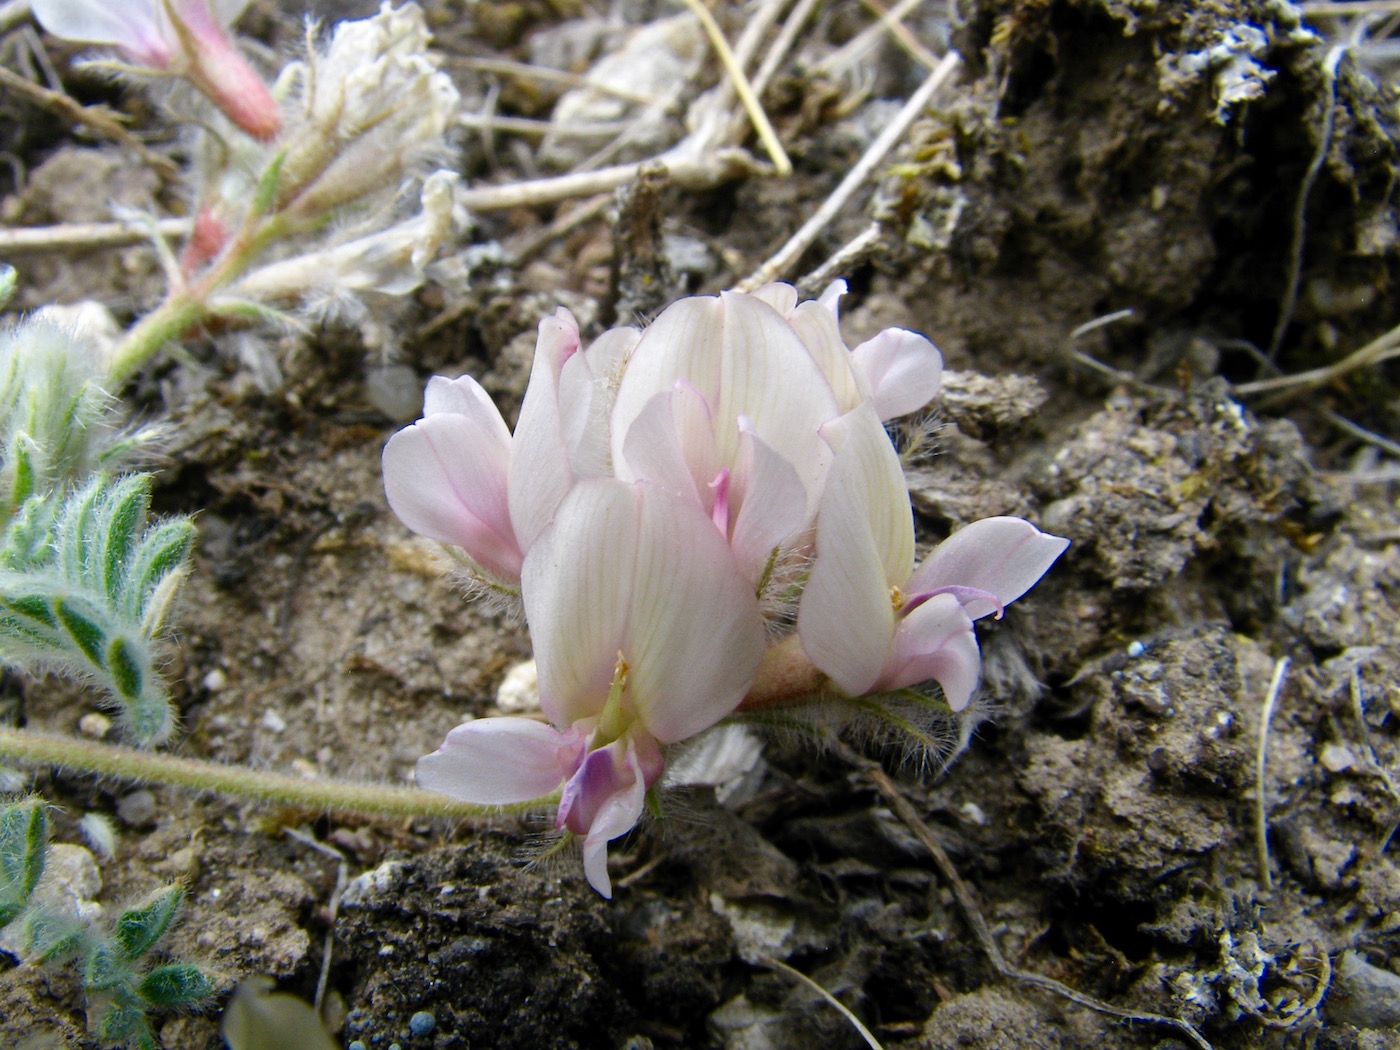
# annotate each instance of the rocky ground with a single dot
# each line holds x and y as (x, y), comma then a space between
(1097, 157)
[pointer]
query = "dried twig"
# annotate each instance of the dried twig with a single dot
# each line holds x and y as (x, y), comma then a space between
(82, 236)
(703, 173)
(786, 256)
(752, 106)
(98, 118)
(558, 76)
(842, 260)
(1295, 252)
(900, 32)
(1382, 348)
(12, 14)
(972, 914)
(1261, 763)
(841, 1007)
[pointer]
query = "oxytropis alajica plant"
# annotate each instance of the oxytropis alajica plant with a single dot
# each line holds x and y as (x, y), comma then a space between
(121, 984)
(700, 521)
(299, 188)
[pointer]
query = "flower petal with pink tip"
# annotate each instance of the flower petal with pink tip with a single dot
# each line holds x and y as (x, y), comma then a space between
(936, 641)
(445, 478)
(502, 761)
(1003, 556)
(903, 371)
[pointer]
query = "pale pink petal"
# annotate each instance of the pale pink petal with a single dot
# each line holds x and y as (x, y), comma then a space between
(584, 407)
(617, 816)
(695, 635)
(671, 444)
(609, 354)
(831, 296)
(445, 478)
(135, 27)
(773, 507)
(936, 641)
(815, 324)
(465, 397)
(1004, 556)
(903, 370)
(781, 297)
(540, 469)
(577, 587)
(684, 342)
(206, 54)
(865, 546)
(501, 761)
(768, 376)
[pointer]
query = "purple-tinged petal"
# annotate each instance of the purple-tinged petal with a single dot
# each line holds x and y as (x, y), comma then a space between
(610, 804)
(865, 547)
(502, 761)
(1004, 556)
(773, 508)
(903, 371)
(445, 478)
(540, 469)
(936, 641)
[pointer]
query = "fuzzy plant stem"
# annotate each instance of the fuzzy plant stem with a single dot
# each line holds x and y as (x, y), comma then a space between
(331, 796)
(187, 306)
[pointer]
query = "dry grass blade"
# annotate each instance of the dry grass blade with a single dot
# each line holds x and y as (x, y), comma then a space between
(761, 124)
(1261, 767)
(99, 119)
(865, 1033)
(1380, 349)
(972, 914)
(900, 31)
(82, 236)
(789, 253)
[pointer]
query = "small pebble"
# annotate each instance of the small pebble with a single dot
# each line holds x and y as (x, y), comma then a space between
(1136, 649)
(273, 722)
(94, 725)
(422, 1023)
(520, 689)
(137, 809)
(357, 1045)
(1336, 759)
(215, 680)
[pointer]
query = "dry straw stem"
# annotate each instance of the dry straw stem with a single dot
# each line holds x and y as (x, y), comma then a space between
(527, 71)
(865, 1033)
(687, 173)
(82, 236)
(1261, 767)
(977, 922)
(98, 118)
(786, 256)
(12, 14)
(761, 124)
(865, 41)
(900, 32)
(1347, 8)
(329, 796)
(1378, 350)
